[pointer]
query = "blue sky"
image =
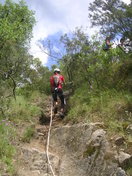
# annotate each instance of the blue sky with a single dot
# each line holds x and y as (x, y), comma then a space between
(55, 45)
(55, 17)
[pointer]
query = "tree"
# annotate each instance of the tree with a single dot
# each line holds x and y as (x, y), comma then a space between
(113, 16)
(77, 48)
(16, 24)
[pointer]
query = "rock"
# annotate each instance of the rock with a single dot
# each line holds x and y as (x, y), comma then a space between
(119, 141)
(36, 161)
(129, 129)
(40, 134)
(98, 124)
(125, 159)
(36, 173)
(97, 137)
(84, 149)
(129, 146)
(41, 129)
(120, 172)
(77, 150)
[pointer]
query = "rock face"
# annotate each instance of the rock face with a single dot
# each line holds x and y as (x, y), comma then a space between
(78, 150)
(125, 159)
(34, 162)
(83, 150)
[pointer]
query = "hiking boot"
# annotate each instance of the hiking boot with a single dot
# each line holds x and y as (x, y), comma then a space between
(55, 110)
(61, 115)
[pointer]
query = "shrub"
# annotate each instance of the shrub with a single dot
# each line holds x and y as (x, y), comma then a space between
(7, 148)
(28, 134)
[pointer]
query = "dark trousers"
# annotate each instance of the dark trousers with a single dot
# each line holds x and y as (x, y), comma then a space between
(58, 93)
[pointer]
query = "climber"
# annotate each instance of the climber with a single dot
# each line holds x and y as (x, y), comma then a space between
(56, 87)
(107, 44)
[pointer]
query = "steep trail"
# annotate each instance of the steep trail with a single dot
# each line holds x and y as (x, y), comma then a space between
(37, 145)
(74, 150)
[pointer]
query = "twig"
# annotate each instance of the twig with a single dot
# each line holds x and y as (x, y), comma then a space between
(47, 146)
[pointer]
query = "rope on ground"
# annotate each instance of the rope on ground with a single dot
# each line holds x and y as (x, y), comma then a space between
(47, 146)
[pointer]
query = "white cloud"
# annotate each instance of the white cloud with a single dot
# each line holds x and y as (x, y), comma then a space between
(53, 16)
(126, 1)
(37, 52)
(56, 15)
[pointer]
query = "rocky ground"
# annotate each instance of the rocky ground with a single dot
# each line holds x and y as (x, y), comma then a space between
(74, 150)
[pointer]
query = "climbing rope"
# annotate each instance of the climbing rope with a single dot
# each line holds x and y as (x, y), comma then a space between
(47, 146)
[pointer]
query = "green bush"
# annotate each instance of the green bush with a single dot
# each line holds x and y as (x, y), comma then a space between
(7, 148)
(109, 106)
(28, 134)
(25, 109)
(19, 111)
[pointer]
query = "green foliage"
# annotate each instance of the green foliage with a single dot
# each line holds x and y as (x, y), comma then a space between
(7, 149)
(21, 109)
(110, 106)
(37, 78)
(122, 74)
(18, 68)
(113, 17)
(24, 109)
(16, 22)
(101, 80)
(129, 171)
(101, 83)
(89, 151)
(28, 134)
(89, 63)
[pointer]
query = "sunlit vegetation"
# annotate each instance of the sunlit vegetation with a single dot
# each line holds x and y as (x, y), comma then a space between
(100, 81)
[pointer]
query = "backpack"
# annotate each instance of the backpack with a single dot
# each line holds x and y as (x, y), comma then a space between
(56, 80)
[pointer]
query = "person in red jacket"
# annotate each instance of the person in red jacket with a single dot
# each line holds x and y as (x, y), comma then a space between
(107, 43)
(56, 85)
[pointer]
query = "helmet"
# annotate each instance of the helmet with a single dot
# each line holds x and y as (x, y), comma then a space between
(56, 70)
(107, 37)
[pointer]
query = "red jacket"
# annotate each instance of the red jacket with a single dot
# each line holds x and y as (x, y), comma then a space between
(61, 79)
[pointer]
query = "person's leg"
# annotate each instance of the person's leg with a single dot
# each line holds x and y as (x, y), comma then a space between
(55, 101)
(61, 96)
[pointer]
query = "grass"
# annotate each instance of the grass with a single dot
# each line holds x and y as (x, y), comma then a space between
(24, 109)
(21, 112)
(111, 107)
(7, 145)
(28, 134)
(129, 171)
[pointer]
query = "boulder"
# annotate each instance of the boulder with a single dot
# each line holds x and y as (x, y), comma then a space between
(119, 141)
(125, 160)
(84, 149)
(35, 162)
(120, 172)
(80, 149)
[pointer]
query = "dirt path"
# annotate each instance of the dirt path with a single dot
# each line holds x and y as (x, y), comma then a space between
(37, 146)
